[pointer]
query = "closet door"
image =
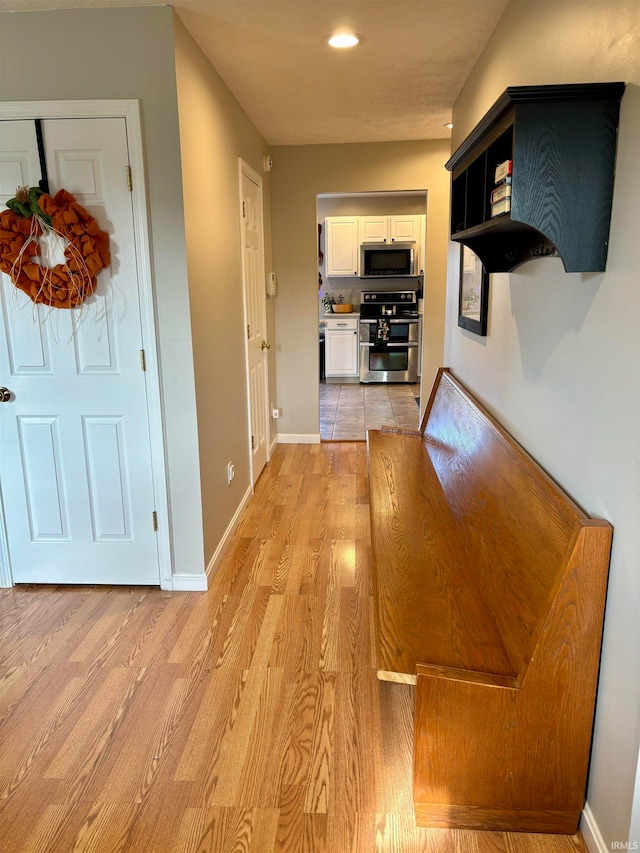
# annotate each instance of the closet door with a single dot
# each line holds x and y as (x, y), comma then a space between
(75, 461)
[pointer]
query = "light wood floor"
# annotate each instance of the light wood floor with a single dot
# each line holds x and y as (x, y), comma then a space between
(248, 718)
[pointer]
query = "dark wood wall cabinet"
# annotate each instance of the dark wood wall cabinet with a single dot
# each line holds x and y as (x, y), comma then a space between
(562, 144)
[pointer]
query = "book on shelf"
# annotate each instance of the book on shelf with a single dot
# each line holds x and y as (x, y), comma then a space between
(503, 170)
(503, 191)
(501, 207)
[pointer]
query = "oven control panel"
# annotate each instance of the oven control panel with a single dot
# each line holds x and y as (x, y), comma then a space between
(398, 297)
(397, 303)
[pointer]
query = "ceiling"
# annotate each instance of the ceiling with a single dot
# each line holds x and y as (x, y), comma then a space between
(399, 84)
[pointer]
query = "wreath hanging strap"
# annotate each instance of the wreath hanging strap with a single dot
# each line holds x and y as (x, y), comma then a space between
(33, 213)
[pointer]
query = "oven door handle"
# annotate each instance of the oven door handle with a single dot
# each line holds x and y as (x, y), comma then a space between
(409, 344)
(395, 321)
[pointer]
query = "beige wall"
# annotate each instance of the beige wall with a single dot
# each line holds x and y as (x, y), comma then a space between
(560, 365)
(300, 173)
(128, 53)
(214, 133)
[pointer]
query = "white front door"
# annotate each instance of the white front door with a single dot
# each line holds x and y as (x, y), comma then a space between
(75, 466)
(256, 318)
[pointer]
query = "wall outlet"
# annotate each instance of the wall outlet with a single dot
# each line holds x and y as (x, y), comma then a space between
(231, 472)
(275, 414)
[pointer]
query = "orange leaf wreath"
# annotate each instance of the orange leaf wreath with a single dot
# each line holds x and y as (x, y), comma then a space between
(65, 285)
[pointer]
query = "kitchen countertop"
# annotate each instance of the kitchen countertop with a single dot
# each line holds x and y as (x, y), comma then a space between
(350, 314)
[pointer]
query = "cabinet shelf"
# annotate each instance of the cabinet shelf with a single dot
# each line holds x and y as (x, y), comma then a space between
(502, 244)
(561, 141)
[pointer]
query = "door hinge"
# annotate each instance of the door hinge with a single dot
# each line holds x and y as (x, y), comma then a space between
(244, 209)
(129, 179)
(143, 361)
(248, 331)
(253, 442)
(155, 521)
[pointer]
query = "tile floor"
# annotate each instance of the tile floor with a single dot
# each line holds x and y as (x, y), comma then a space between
(347, 411)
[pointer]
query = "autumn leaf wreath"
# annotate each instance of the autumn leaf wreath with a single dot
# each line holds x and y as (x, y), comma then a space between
(32, 215)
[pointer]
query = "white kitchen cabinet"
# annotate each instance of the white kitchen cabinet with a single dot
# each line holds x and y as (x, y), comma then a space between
(342, 245)
(374, 229)
(406, 229)
(391, 229)
(341, 346)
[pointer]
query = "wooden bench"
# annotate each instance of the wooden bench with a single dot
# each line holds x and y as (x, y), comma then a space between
(489, 586)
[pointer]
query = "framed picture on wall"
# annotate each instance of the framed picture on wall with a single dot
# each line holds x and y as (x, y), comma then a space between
(474, 293)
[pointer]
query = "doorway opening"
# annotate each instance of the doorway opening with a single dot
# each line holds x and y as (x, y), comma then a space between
(353, 396)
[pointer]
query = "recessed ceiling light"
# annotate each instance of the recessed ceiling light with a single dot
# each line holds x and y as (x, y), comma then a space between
(343, 40)
(449, 124)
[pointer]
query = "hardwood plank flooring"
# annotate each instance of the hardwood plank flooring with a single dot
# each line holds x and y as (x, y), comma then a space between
(248, 718)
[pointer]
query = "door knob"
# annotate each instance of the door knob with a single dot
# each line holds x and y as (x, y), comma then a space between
(265, 345)
(5, 395)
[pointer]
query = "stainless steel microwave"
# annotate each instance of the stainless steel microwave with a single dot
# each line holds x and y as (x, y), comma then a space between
(387, 260)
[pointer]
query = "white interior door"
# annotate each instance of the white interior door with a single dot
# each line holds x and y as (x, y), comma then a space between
(75, 466)
(256, 318)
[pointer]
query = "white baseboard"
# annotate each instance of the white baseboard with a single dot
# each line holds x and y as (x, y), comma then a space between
(273, 445)
(591, 832)
(218, 553)
(183, 582)
(302, 438)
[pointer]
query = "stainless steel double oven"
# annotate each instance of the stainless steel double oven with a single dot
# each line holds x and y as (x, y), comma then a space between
(389, 336)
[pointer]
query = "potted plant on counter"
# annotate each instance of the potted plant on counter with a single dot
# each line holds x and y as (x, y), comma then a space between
(329, 300)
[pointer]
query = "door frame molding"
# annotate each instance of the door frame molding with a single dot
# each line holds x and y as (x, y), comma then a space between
(245, 169)
(130, 111)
